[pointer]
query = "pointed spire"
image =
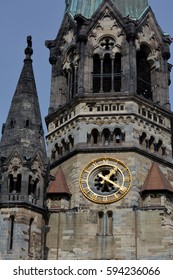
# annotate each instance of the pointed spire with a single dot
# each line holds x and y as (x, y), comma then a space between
(23, 128)
(156, 181)
(59, 186)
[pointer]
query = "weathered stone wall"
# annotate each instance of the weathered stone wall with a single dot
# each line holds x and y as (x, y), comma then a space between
(20, 248)
(139, 231)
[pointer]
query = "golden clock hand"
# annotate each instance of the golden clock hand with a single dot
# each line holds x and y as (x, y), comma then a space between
(112, 171)
(107, 180)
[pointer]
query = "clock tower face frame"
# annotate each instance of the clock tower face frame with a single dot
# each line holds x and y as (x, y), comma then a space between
(105, 180)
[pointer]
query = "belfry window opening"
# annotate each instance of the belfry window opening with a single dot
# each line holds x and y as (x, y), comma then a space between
(143, 73)
(107, 73)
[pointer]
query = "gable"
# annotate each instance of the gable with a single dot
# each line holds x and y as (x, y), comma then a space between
(106, 26)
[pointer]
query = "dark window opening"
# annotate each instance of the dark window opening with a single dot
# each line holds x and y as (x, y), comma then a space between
(27, 123)
(155, 118)
(119, 136)
(117, 72)
(160, 120)
(149, 115)
(71, 73)
(71, 141)
(11, 233)
(143, 112)
(30, 243)
(143, 75)
(96, 73)
(142, 139)
(106, 136)
(100, 223)
(109, 223)
(14, 183)
(12, 123)
(159, 147)
(107, 73)
(94, 136)
(152, 146)
(32, 189)
(73, 82)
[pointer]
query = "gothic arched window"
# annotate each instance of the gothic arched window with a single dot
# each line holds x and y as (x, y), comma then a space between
(107, 73)
(94, 136)
(152, 144)
(142, 139)
(107, 67)
(14, 183)
(119, 136)
(32, 189)
(71, 141)
(96, 73)
(159, 147)
(143, 73)
(71, 72)
(106, 136)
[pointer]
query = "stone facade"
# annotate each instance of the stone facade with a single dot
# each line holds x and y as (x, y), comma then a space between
(95, 114)
(109, 99)
(28, 236)
(24, 172)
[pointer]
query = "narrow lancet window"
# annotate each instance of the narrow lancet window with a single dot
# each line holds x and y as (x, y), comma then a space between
(11, 233)
(143, 74)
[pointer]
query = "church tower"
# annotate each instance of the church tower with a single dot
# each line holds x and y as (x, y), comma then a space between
(24, 172)
(110, 134)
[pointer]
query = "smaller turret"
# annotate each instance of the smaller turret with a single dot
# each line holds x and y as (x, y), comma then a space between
(157, 190)
(24, 171)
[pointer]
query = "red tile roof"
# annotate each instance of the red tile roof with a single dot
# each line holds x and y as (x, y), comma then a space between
(59, 185)
(156, 180)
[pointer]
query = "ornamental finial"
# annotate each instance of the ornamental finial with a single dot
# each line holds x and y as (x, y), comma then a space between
(29, 50)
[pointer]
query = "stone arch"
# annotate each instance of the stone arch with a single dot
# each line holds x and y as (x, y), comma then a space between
(152, 144)
(71, 141)
(14, 183)
(70, 69)
(142, 140)
(95, 136)
(106, 65)
(106, 136)
(159, 147)
(118, 135)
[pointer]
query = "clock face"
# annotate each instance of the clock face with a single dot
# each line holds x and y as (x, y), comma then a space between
(105, 180)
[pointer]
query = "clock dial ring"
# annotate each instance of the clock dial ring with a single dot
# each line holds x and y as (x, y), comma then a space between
(105, 180)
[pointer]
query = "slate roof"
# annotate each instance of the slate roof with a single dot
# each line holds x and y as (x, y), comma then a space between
(23, 129)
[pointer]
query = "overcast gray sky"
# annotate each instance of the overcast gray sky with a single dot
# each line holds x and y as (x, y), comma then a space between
(41, 19)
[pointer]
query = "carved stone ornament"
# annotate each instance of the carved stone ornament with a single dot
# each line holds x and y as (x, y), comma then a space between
(104, 26)
(147, 36)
